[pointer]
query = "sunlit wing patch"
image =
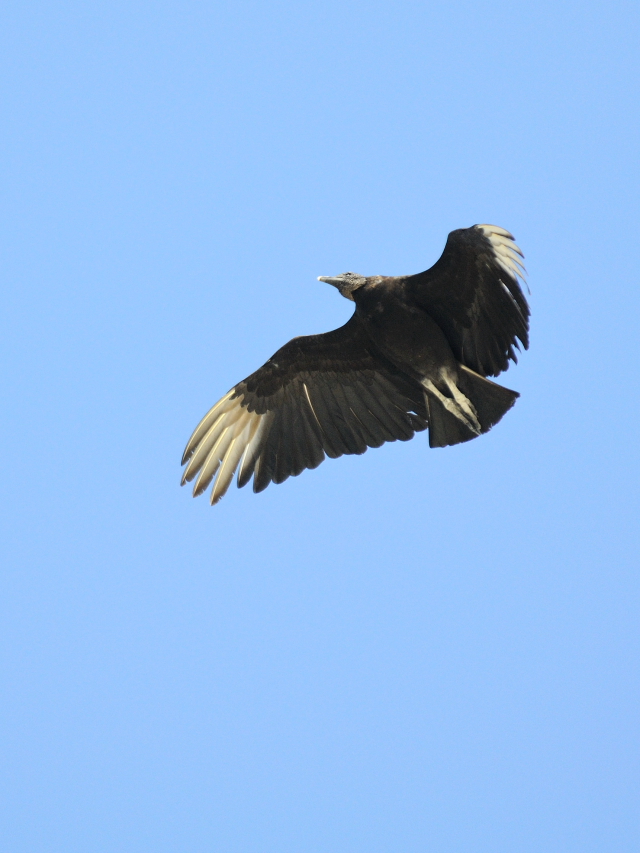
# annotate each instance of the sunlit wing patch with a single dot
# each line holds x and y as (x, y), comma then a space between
(229, 435)
(506, 253)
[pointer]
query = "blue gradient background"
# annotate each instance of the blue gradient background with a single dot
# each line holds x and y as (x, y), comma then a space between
(411, 650)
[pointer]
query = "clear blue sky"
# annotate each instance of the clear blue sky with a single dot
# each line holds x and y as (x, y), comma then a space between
(412, 650)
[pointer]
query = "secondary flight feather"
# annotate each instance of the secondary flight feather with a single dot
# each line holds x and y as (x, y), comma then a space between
(415, 354)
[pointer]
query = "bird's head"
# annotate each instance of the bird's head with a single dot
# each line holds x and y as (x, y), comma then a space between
(346, 283)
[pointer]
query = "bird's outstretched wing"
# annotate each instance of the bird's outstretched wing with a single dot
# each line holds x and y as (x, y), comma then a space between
(473, 293)
(322, 394)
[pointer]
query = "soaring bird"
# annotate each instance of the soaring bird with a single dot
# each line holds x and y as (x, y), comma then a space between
(415, 354)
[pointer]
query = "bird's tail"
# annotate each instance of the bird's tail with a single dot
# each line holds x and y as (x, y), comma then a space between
(471, 407)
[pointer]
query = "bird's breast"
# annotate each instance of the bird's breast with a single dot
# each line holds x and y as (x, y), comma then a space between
(407, 335)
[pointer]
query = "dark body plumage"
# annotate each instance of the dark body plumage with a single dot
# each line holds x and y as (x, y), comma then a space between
(415, 354)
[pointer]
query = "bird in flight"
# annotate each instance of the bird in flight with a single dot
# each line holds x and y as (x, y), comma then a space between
(414, 355)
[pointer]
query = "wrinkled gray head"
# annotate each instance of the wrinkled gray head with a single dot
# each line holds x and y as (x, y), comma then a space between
(346, 283)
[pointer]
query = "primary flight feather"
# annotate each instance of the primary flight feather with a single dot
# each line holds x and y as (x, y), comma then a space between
(414, 355)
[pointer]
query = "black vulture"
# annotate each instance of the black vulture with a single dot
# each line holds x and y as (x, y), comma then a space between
(415, 354)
